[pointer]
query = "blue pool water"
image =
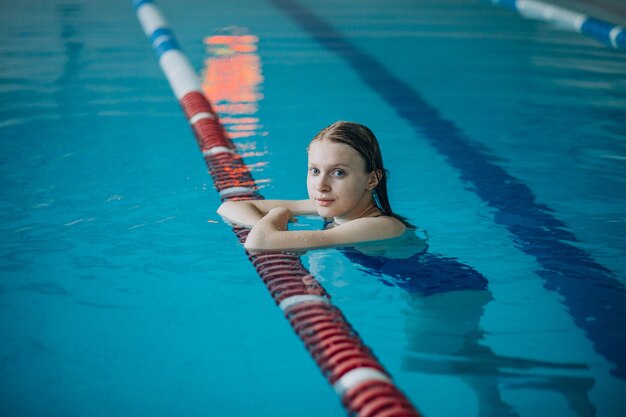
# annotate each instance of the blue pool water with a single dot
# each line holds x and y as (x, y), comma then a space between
(123, 293)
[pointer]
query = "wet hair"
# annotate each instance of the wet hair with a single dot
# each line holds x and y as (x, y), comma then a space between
(363, 140)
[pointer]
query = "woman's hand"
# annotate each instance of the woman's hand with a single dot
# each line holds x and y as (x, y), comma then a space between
(278, 217)
(275, 221)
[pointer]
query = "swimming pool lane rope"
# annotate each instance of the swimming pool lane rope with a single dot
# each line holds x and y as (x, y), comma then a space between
(364, 386)
(601, 30)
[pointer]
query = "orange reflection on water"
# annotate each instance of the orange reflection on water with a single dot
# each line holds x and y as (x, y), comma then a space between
(250, 154)
(236, 108)
(247, 146)
(233, 78)
(251, 126)
(238, 135)
(236, 43)
(233, 120)
(232, 82)
(234, 71)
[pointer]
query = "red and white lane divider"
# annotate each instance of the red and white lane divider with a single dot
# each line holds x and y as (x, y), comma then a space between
(364, 386)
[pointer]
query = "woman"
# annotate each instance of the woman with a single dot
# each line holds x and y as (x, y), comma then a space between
(346, 182)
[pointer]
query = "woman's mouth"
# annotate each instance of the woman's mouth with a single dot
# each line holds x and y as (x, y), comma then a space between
(324, 202)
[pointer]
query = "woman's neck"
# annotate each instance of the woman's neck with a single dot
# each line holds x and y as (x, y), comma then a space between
(369, 210)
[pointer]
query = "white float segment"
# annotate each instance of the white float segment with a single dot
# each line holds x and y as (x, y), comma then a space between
(200, 116)
(544, 11)
(613, 34)
(236, 190)
(179, 72)
(151, 19)
(217, 149)
(289, 302)
(531, 9)
(357, 376)
(567, 18)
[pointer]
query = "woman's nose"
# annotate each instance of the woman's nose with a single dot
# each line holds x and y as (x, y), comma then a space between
(322, 183)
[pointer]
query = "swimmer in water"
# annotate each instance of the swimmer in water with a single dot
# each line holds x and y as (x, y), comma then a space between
(347, 185)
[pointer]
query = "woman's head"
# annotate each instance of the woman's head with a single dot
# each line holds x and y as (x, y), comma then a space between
(357, 144)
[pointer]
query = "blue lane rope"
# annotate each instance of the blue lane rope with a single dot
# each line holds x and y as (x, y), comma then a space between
(163, 40)
(605, 32)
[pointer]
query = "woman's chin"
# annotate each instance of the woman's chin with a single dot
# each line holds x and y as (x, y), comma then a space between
(325, 212)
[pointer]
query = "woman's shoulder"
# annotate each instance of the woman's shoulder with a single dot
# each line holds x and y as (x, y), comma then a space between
(366, 229)
(394, 225)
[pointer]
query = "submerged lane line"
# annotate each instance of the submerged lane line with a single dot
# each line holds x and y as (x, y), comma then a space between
(362, 383)
(592, 294)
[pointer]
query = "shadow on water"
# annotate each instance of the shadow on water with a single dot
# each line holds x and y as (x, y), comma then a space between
(69, 93)
(446, 300)
(73, 47)
(592, 294)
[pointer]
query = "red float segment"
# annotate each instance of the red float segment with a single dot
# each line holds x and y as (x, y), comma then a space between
(366, 392)
(354, 363)
(281, 267)
(333, 344)
(257, 258)
(397, 411)
(338, 357)
(209, 134)
(337, 348)
(283, 274)
(374, 407)
(285, 279)
(317, 316)
(291, 285)
(209, 131)
(315, 341)
(321, 327)
(228, 171)
(195, 102)
(271, 268)
(358, 399)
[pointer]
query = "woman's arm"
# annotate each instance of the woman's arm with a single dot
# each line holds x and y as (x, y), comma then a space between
(269, 233)
(248, 212)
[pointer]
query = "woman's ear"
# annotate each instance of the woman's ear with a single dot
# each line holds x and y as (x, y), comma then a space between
(374, 179)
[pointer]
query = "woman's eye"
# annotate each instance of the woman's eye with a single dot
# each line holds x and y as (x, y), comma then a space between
(314, 171)
(339, 173)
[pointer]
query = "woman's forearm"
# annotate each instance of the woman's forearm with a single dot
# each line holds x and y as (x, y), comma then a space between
(242, 213)
(247, 213)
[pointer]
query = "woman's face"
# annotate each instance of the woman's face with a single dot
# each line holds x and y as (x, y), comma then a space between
(337, 182)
